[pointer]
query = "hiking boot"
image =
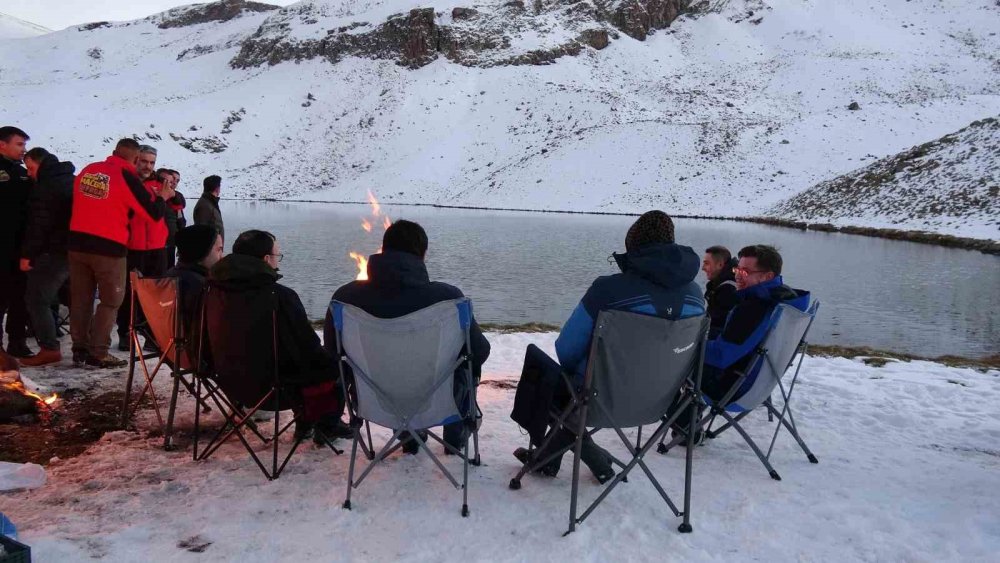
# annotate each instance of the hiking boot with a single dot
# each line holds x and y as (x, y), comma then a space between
(19, 349)
(699, 437)
(107, 362)
(551, 469)
(44, 357)
(410, 446)
(79, 358)
(332, 430)
(123, 344)
(303, 430)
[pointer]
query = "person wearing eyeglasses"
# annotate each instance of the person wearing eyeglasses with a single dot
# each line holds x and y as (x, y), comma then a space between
(759, 289)
(252, 269)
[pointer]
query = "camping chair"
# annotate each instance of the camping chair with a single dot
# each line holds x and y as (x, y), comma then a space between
(402, 376)
(785, 342)
(243, 341)
(642, 370)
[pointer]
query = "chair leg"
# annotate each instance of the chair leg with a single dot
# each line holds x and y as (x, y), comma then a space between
(128, 389)
(753, 445)
(350, 471)
(168, 432)
(794, 431)
(577, 452)
(465, 482)
(685, 527)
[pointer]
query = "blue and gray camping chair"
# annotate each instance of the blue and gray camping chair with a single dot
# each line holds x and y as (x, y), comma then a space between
(402, 373)
(642, 370)
(774, 358)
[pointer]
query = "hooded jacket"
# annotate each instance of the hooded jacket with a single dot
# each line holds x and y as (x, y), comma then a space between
(244, 294)
(50, 206)
(656, 279)
(397, 285)
(720, 297)
(105, 196)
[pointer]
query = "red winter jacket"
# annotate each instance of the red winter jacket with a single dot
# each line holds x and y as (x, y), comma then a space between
(145, 234)
(105, 195)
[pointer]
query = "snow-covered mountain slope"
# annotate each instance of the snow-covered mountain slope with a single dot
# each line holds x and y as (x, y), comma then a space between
(948, 184)
(733, 108)
(15, 28)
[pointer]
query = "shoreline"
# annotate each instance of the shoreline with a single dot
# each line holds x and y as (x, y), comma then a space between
(985, 246)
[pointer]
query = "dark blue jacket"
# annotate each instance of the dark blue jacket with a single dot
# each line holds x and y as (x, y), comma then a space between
(748, 322)
(657, 279)
(398, 285)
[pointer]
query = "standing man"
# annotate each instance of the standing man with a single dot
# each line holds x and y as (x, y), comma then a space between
(206, 211)
(14, 186)
(720, 291)
(105, 195)
(175, 213)
(43, 254)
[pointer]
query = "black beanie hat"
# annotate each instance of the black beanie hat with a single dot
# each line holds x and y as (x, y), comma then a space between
(194, 243)
(652, 226)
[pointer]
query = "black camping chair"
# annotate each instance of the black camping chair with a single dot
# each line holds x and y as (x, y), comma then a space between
(642, 370)
(243, 375)
(784, 346)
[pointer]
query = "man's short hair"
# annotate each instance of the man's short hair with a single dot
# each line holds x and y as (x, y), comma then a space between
(767, 257)
(8, 131)
(147, 149)
(211, 183)
(127, 144)
(254, 243)
(405, 236)
(720, 253)
(37, 154)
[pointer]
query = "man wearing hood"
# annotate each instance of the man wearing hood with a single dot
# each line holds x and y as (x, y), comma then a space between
(657, 278)
(249, 276)
(43, 253)
(397, 285)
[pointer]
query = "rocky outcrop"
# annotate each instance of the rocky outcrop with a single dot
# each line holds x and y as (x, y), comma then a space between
(474, 37)
(221, 11)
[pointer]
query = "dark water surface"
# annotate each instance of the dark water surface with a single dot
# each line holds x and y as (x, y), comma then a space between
(534, 267)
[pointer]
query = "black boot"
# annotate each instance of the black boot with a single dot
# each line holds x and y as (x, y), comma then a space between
(19, 349)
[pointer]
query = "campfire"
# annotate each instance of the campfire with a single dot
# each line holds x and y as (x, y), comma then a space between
(16, 399)
(376, 218)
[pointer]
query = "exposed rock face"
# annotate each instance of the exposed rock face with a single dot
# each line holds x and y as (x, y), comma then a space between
(475, 37)
(223, 10)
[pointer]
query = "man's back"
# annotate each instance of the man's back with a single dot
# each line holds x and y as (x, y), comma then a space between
(207, 212)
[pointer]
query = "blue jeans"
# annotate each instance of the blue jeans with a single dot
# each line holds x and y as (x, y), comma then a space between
(47, 275)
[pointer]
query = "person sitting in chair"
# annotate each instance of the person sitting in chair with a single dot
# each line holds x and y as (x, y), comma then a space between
(397, 285)
(760, 288)
(199, 247)
(657, 278)
(720, 291)
(248, 278)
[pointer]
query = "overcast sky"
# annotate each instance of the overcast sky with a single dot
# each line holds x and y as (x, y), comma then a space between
(59, 14)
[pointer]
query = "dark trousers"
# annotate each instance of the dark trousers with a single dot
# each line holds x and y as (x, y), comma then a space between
(48, 274)
(538, 366)
(715, 383)
(149, 263)
(12, 308)
(171, 256)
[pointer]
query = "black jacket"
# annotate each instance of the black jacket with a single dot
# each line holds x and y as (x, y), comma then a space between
(174, 217)
(14, 186)
(720, 295)
(50, 206)
(207, 212)
(191, 279)
(399, 285)
(243, 295)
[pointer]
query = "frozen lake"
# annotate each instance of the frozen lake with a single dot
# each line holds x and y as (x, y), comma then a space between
(534, 267)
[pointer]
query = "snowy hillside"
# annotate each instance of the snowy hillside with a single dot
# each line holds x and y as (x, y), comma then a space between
(595, 105)
(948, 184)
(14, 28)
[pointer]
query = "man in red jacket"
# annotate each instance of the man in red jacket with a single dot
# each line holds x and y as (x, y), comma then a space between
(105, 195)
(147, 243)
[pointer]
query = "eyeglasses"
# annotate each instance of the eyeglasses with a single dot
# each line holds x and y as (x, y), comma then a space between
(278, 256)
(745, 272)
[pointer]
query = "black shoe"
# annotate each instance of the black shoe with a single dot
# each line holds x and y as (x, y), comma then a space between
(107, 362)
(605, 476)
(150, 346)
(123, 344)
(332, 430)
(410, 446)
(79, 358)
(699, 437)
(304, 430)
(19, 349)
(551, 469)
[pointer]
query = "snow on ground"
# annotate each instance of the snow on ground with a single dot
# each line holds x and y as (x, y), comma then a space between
(16, 28)
(909, 467)
(722, 114)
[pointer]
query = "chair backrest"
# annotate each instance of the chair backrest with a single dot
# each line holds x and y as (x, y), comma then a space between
(240, 328)
(160, 302)
(638, 363)
(404, 368)
(789, 328)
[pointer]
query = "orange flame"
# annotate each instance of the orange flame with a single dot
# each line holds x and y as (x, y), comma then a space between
(367, 224)
(20, 388)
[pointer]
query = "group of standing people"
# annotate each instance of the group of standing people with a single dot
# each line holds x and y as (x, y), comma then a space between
(70, 238)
